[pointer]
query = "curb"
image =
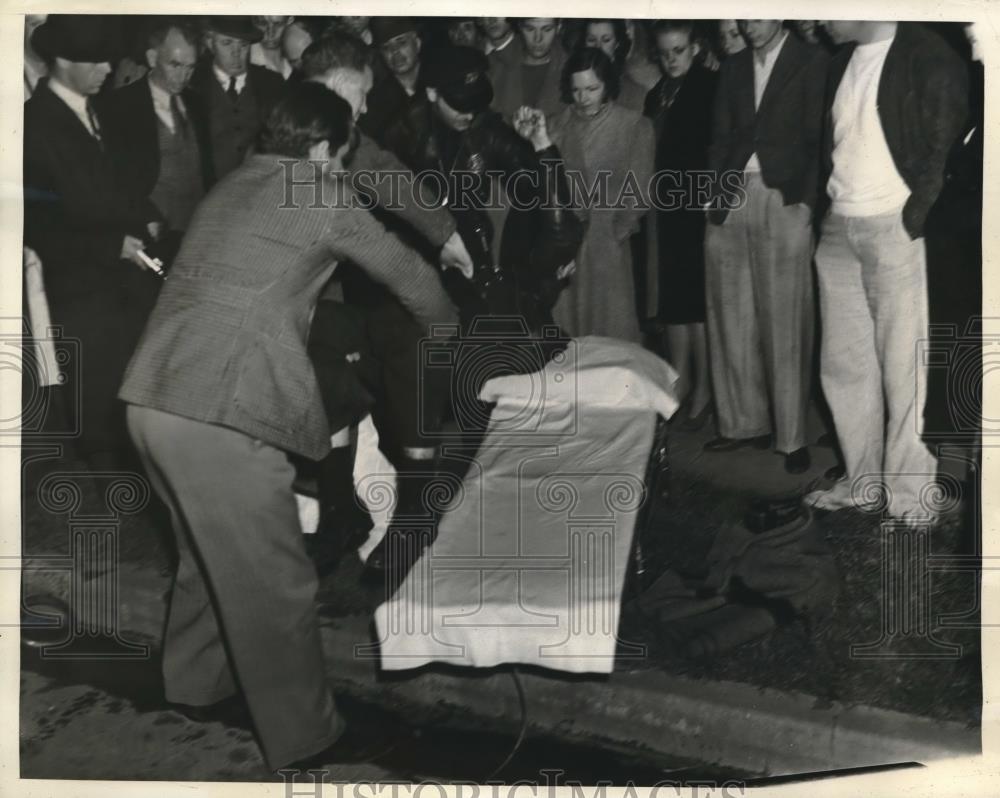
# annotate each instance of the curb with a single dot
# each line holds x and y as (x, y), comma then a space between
(732, 725)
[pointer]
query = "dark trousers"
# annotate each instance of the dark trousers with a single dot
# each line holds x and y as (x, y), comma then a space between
(368, 356)
(105, 328)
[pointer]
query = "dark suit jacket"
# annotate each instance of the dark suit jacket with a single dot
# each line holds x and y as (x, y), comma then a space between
(133, 139)
(76, 211)
(226, 343)
(922, 104)
(268, 88)
(785, 131)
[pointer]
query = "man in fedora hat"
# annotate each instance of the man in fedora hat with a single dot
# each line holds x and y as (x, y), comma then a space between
(86, 227)
(232, 94)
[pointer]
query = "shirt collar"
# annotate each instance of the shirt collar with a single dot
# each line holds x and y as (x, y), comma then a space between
(772, 56)
(76, 101)
(161, 97)
(223, 79)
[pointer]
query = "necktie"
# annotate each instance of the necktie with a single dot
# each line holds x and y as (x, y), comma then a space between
(95, 128)
(231, 91)
(180, 124)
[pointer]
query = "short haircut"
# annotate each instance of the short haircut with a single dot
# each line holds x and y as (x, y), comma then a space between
(159, 31)
(590, 58)
(621, 35)
(662, 26)
(335, 50)
(308, 114)
(516, 22)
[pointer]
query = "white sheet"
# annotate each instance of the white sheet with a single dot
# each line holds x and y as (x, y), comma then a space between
(531, 556)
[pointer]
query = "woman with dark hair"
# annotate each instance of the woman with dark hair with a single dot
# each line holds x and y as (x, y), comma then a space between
(731, 39)
(608, 151)
(611, 36)
(680, 106)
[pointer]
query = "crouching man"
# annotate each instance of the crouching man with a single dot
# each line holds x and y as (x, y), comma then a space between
(221, 389)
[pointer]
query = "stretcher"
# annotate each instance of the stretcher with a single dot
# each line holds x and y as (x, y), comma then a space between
(531, 555)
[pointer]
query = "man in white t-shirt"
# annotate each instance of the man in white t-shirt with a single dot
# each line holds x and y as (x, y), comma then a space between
(897, 100)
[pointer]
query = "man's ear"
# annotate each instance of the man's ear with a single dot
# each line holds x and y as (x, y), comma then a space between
(151, 57)
(695, 48)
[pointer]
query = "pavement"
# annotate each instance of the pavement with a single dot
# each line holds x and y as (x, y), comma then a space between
(679, 724)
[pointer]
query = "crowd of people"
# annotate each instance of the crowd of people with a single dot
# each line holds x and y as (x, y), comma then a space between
(728, 192)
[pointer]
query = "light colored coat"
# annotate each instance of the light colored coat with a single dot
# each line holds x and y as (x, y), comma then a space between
(600, 298)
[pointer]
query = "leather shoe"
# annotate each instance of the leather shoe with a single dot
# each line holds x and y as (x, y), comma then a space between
(722, 444)
(349, 747)
(797, 462)
(332, 540)
(395, 555)
(231, 711)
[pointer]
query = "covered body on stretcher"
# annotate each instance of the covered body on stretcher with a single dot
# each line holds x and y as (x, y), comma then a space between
(530, 559)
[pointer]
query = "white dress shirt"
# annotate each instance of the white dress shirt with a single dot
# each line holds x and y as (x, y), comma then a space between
(77, 104)
(761, 75)
(223, 78)
(161, 105)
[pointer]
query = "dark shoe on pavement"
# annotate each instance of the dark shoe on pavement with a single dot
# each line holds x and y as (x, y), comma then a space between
(349, 747)
(722, 444)
(797, 462)
(337, 533)
(395, 555)
(232, 712)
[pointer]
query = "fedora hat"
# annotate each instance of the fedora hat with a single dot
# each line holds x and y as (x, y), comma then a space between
(235, 26)
(83, 38)
(386, 28)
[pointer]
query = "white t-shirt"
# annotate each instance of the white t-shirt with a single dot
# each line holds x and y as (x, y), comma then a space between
(864, 181)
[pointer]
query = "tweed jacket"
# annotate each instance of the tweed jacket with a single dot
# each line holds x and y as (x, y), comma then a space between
(786, 129)
(226, 343)
(922, 104)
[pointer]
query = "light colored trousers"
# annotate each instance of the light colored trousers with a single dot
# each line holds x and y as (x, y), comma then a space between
(242, 610)
(760, 314)
(873, 305)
